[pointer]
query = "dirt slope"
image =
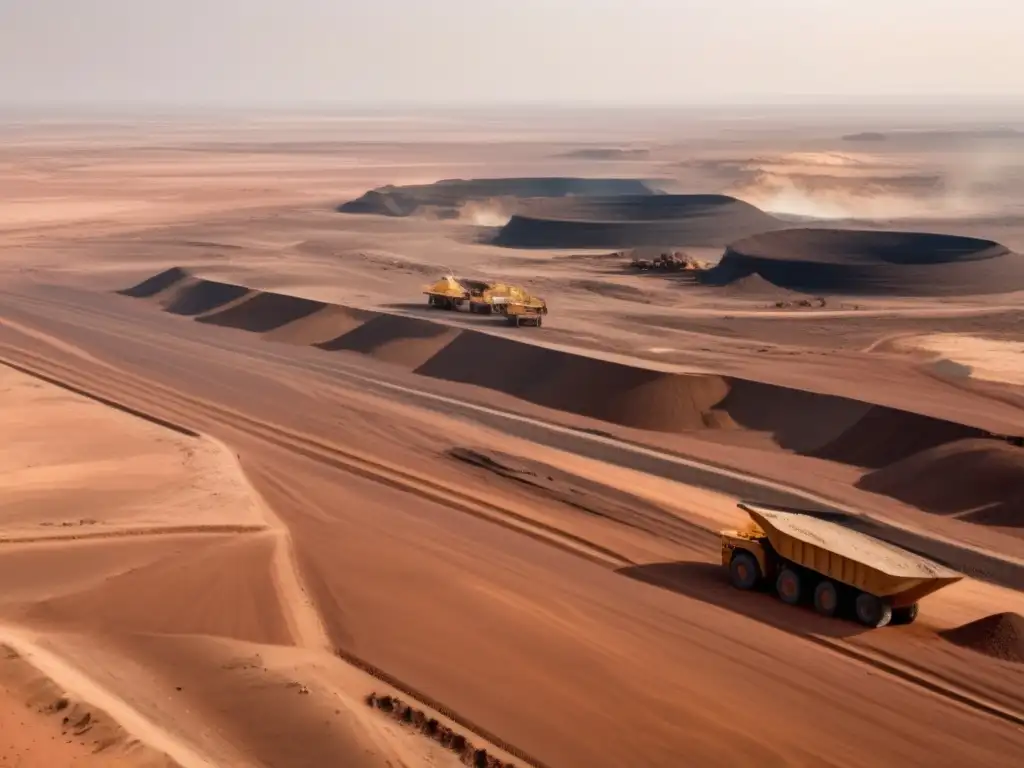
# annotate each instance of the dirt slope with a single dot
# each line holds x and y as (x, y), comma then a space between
(42, 727)
(630, 221)
(835, 428)
(978, 480)
(448, 195)
(869, 262)
(400, 340)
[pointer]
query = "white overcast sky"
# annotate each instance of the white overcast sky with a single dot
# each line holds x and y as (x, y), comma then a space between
(292, 52)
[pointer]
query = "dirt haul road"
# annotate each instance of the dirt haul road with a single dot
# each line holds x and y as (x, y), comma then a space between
(519, 634)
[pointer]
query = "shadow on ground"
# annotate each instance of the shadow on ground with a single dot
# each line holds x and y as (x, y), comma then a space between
(708, 583)
(463, 316)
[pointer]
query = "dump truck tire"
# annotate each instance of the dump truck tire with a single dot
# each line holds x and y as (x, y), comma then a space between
(788, 586)
(872, 611)
(744, 572)
(905, 615)
(826, 598)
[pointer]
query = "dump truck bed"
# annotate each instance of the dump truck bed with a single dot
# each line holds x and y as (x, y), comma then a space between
(864, 549)
(849, 556)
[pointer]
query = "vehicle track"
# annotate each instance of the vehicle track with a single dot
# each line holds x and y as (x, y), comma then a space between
(294, 446)
(176, 407)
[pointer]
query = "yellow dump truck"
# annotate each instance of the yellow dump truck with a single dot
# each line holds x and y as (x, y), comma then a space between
(807, 558)
(522, 313)
(512, 301)
(447, 293)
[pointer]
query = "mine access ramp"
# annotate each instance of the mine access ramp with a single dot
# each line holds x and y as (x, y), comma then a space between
(808, 558)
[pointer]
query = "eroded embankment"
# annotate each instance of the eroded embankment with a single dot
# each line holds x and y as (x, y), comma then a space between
(824, 426)
(628, 221)
(977, 480)
(445, 197)
(871, 263)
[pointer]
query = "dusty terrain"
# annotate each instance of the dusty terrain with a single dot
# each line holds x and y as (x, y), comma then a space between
(250, 478)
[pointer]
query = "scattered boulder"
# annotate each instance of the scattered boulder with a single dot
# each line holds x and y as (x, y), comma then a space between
(468, 753)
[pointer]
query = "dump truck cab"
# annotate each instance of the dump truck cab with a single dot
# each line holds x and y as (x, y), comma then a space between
(521, 313)
(447, 293)
(812, 557)
(754, 544)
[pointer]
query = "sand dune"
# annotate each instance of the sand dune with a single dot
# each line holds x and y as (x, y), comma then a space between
(447, 196)
(978, 480)
(863, 262)
(262, 312)
(628, 221)
(840, 429)
(329, 322)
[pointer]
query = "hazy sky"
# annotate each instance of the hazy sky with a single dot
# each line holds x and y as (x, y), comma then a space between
(242, 52)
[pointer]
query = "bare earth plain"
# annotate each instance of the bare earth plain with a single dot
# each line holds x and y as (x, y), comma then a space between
(248, 478)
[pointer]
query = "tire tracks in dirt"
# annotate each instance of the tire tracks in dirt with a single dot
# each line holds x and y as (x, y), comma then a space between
(307, 631)
(179, 407)
(176, 406)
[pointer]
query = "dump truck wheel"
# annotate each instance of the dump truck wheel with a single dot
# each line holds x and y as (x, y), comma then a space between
(872, 611)
(826, 598)
(905, 615)
(744, 572)
(788, 586)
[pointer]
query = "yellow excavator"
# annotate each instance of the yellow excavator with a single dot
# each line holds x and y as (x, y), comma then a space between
(512, 301)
